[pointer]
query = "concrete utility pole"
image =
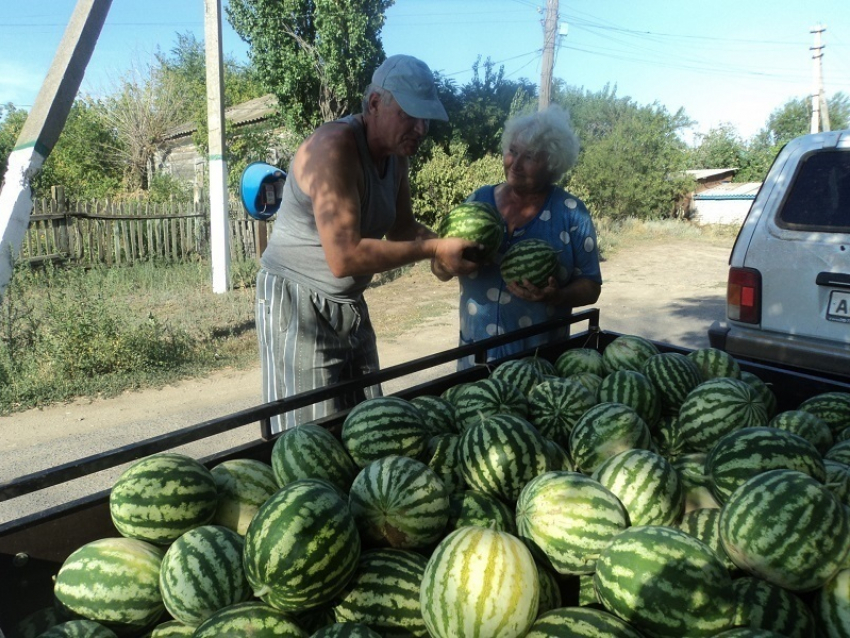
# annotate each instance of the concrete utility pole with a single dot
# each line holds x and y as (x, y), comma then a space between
(219, 222)
(43, 126)
(550, 36)
(820, 112)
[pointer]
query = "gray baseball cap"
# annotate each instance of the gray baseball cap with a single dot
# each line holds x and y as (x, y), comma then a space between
(412, 85)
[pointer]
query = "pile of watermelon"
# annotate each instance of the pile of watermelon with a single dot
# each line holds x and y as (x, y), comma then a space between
(625, 493)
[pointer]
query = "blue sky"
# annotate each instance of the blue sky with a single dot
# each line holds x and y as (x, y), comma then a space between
(724, 61)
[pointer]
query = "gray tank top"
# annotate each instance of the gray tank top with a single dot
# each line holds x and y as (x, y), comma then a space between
(294, 251)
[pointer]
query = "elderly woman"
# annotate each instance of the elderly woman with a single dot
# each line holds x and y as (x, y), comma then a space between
(537, 150)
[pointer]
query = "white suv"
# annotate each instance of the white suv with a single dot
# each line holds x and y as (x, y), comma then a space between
(788, 294)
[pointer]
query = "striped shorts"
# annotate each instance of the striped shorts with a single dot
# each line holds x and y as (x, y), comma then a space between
(308, 341)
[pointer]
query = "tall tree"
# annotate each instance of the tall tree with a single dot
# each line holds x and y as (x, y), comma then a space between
(721, 147)
(11, 122)
(316, 56)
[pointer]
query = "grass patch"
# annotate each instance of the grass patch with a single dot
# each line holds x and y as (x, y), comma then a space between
(617, 235)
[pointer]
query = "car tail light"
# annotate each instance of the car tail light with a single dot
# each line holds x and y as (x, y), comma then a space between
(743, 295)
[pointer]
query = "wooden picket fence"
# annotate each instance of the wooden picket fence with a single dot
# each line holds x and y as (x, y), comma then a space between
(122, 234)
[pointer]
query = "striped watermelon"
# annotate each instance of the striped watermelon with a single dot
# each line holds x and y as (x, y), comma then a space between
(243, 485)
(717, 407)
(311, 451)
(604, 430)
(550, 590)
(567, 519)
(665, 582)
(501, 454)
(831, 407)
(633, 389)
(444, 458)
(533, 260)
(667, 436)
(383, 593)
(786, 527)
(704, 525)
(714, 363)
(748, 632)
(674, 376)
(479, 582)
(576, 360)
(162, 496)
(559, 458)
(844, 435)
(543, 366)
(36, 623)
(254, 619)
(478, 222)
(831, 606)
(763, 605)
(345, 630)
(399, 502)
(805, 424)
(113, 581)
(439, 414)
(172, 629)
(839, 452)
(554, 406)
(518, 373)
(742, 454)
(589, 380)
(315, 619)
(382, 426)
(838, 480)
(480, 399)
(581, 622)
(78, 629)
(698, 486)
(627, 352)
(476, 508)
(647, 486)
(301, 547)
(763, 391)
(202, 573)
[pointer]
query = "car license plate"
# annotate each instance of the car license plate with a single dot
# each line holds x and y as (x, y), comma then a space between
(839, 306)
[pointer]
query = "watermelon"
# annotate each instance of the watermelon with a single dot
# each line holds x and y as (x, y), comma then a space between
(443, 456)
(647, 485)
(78, 629)
(399, 502)
(787, 528)
(627, 352)
(543, 366)
(633, 389)
(301, 547)
(831, 606)
(831, 407)
(479, 582)
(604, 430)
(577, 360)
(839, 452)
(202, 573)
(252, 618)
(714, 363)
(532, 260)
(704, 525)
(438, 414)
(763, 605)
(763, 391)
(805, 424)
(838, 480)
(172, 629)
(478, 222)
(501, 454)
(518, 373)
(665, 582)
(580, 622)
(744, 453)
(748, 632)
(674, 376)
(161, 496)
(311, 451)
(345, 630)
(567, 519)
(37, 622)
(559, 458)
(554, 406)
(476, 508)
(113, 581)
(381, 426)
(717, 407)
(383, 593)
(589, 380)
(480, 399)
(243, 485)
(550, 590)
(667, 437)
(697, 485)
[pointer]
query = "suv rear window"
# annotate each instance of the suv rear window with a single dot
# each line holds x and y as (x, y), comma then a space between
(819, 199)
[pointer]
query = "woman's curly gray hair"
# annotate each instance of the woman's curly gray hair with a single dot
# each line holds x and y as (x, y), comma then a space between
(549, 133)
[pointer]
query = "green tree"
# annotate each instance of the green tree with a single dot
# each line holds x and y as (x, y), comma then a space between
(721, 147)
(316, 56)
(11, 122)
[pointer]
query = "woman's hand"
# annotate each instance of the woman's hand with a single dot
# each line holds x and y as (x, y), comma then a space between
(527, 291)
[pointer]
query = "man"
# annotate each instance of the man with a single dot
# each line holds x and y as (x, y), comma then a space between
(347, 188)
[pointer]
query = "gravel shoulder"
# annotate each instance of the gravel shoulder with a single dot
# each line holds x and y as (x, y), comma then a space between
(665, 290)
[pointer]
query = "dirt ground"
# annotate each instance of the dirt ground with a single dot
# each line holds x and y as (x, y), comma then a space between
(667, 290)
